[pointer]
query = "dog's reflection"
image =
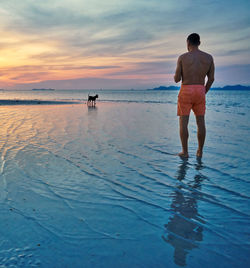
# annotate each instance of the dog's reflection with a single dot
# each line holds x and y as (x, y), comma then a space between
(183, 228)
(92, 109)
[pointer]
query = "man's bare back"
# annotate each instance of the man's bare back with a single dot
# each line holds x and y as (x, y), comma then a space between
(193, 67)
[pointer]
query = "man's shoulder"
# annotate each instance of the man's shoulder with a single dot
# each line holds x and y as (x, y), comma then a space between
(189, 55)
(205, 54)
(183, 55)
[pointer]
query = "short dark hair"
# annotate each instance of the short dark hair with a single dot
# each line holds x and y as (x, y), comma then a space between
(194, 39)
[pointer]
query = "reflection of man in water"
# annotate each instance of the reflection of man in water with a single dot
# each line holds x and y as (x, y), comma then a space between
(182, 230)
(192, 69)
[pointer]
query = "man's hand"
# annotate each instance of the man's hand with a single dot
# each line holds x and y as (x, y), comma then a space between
(210, 76)
(178, 72)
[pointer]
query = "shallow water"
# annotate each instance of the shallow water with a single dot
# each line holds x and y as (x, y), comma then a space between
(235, 102)
(101, 187)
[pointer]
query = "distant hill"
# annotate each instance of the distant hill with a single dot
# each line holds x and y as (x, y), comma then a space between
(235, 87)
(165, 88)
(43, 89)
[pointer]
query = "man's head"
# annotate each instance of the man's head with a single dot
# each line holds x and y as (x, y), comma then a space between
(193, 40)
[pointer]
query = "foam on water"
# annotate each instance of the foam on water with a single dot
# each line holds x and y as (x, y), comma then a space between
(102, 187)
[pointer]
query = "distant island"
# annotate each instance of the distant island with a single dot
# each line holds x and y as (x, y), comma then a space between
(235, 87)
(43, 89)
(165, 88)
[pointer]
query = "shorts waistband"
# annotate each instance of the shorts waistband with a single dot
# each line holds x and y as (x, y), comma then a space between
(192, 86)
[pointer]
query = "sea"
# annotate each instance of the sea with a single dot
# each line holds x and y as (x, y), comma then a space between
(236, 100)
(102, 186)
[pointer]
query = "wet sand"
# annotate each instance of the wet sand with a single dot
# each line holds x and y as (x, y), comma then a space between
(35, 102)
(101, 187)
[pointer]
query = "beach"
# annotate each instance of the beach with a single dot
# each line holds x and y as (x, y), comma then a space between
(101, 186)
(9, 102)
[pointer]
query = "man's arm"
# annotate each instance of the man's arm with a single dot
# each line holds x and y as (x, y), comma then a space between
(178, 72)
(210, 76)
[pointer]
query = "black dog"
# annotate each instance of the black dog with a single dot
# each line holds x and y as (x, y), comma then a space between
(92, 99)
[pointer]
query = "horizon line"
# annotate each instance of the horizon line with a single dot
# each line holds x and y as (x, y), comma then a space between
(131, 89)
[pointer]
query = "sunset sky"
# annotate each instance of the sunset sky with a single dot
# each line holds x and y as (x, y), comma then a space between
(116, 44)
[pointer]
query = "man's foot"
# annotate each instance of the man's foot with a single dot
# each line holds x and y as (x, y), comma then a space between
(199, 153)
(183, 155)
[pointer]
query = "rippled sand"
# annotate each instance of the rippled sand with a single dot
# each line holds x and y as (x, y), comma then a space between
(101, 187)
(34, 102)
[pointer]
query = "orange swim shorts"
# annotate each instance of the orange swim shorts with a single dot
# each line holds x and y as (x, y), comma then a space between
(191, 97)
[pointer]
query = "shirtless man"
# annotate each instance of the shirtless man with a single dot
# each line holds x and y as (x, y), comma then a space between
(192, 69)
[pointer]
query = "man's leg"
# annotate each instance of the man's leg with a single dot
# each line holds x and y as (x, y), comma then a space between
(201, 133)
(183, 122)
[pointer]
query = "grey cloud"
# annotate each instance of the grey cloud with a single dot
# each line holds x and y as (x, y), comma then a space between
(154, 17)
(147, 68)
(133, 26)
(239, 67)
(232, 52)
(33, 75)
(131, 23)
(31, 69)
(233, 74)
(87, 83)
